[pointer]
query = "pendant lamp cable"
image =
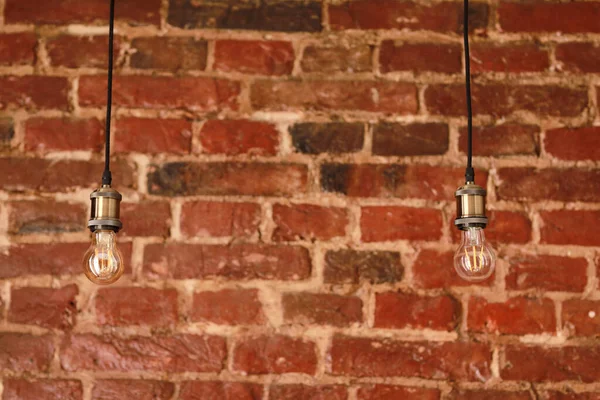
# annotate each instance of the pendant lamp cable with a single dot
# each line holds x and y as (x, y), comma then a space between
(470, 172)
(106, 175)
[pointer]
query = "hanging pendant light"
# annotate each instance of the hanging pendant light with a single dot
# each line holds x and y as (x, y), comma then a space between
(103, 263)
(475, 259)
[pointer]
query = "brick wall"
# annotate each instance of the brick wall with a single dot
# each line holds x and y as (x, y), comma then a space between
(288, 169)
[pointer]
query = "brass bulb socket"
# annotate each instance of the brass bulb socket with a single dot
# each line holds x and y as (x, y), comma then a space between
(470, 207)
(105, 210)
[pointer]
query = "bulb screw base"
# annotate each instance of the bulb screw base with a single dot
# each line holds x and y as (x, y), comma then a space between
(470, 207)
(105, 210)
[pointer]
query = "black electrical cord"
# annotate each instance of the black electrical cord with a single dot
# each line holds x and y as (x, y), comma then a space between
(106, 175)
(470, 172)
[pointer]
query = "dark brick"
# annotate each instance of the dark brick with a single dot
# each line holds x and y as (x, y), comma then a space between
(394, 139)
(7, 131)
(333, 137)
(170, 53)
(265, 15)
(351, 266)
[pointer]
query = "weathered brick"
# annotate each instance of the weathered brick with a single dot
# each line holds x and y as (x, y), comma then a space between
(578, 57)
(178, 353)
(254, 57)
(545, 272)
(136, 306)
(330, 137)
(81, 51)
(322, 309)
(502, 140)
(187, 93)
(395, 139)
(49, 308)
(149, 135)
(42, 389)
(274, 355)
(570, 227)
(305, 392)
(348, 59)
(17, 48)
(149, 218)
(209, 218)
(433, 269)
(380, 224)
(276, 15)
(227, 178)
(419, 57)
(34, 92)
(234, 137)
(169, 53)
(510, 57)
(539, 16)
(581, 317)
(214, 390)
(380, 96)
(48, 134)
(235, 262)
(405, 310)
(389, 392)
(228, 307)
(127, 389)
(516, 316)
(362, 357)
(22, 352)
(352, 266)
(308, 222)
(574, 144)
(45, 216)
(476, 394)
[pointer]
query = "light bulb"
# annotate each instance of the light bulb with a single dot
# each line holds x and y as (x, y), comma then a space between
(103, 263)
(475, 259)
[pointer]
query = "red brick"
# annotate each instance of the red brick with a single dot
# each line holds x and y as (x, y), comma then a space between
(570, 227)
(178, 353)
(419, 57)
(228, 179)
(502, 140)
(349, 59)
(275, 355)
(394, 139)
(388, 392)
(581, 317)
(34, 92)
(510, 57)
(148, 135)
(572, 17)
(322, 309)
(516, 316)
(150, 218)
(433, 269)
(127, 389)
(308, 222)
(136, 306)
(540, 364)
(569, 395)
(351, 266)
(212, 390)
(43, 389)
(371, 357)
(304, 392)
(380, 224)
(24, 174)
(228, 307)
(81, 51)
(544, 272)
(388, 97)
(405, 310)
(501, 100)
(45, 307)
(46, 216)
(574, 144)
(17, 48)
(527, 183)
(254, 57)
(578, 56)
(216, 219)
(187, 93)
(394, 180)
(66, 12)
(23, 352)
(48, 134)
(235, 262)
(233, 137)
(477, 394)
(169, 53)
(386, 14)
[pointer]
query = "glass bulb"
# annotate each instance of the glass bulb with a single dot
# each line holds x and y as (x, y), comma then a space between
(102, 262)
(475, 259)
